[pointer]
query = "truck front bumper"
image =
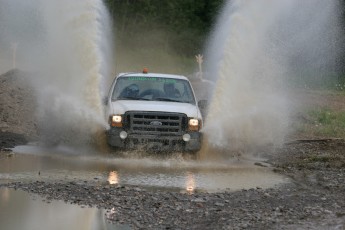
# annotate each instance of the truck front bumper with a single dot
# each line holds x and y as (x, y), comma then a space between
(159, 142)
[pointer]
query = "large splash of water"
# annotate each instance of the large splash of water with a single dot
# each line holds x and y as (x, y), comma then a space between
(67, 47)
(256, 50)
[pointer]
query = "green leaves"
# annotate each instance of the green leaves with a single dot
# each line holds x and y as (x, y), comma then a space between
(183, 25)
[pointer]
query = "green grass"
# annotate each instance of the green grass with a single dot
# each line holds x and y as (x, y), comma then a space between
(325, 123)
(322, 158)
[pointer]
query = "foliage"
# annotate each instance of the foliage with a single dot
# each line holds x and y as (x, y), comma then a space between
(180, 25)
(179, 29)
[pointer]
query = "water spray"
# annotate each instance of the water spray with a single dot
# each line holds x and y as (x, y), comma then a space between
(256, 50)
(67, 46)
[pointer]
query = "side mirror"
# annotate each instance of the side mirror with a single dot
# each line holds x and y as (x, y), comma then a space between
(202, 104)
(105, 100)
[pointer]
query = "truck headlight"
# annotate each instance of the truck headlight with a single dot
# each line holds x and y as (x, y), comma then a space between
(115, 120)
(194, 124)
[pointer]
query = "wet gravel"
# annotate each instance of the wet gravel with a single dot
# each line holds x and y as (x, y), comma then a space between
(289, 207)
(314, 200)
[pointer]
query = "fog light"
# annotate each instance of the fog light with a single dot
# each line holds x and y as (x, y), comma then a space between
(123, 135)
(186, 137)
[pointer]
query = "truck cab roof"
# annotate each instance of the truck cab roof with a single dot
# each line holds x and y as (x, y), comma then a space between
(131, 74)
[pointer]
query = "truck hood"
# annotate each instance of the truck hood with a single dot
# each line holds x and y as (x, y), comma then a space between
(121, 106)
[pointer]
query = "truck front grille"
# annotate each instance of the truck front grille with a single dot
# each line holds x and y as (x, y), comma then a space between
(155, 123)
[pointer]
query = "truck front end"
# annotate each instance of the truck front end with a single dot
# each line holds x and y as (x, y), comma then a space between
(143, 113)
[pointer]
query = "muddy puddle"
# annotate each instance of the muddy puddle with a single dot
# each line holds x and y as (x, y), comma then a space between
(175, 173)
(19, 210)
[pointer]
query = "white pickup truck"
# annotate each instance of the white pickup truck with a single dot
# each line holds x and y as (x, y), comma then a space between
(155, 111)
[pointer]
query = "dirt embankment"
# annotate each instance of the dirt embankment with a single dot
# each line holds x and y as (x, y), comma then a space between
(17, 109)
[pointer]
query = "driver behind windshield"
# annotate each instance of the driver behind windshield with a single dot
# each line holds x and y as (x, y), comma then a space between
(171, 91)
(131, 91)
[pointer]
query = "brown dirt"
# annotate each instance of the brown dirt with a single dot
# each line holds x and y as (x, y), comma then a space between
(17, 105)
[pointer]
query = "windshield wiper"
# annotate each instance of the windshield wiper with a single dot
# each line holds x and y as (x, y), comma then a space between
(166, 99)
(133, 98)
(127, 98)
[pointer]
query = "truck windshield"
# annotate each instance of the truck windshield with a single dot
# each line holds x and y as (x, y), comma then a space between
(153, 89)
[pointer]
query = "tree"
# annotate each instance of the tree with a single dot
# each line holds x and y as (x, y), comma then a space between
(184, 24)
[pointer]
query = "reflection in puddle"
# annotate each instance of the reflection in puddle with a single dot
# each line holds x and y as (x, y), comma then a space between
(204, 180)
(190, 183)
(31, 163)
(18, 210)
(113, 178)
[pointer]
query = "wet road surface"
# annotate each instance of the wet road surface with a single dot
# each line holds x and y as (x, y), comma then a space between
(175, 172)
(31, 163)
